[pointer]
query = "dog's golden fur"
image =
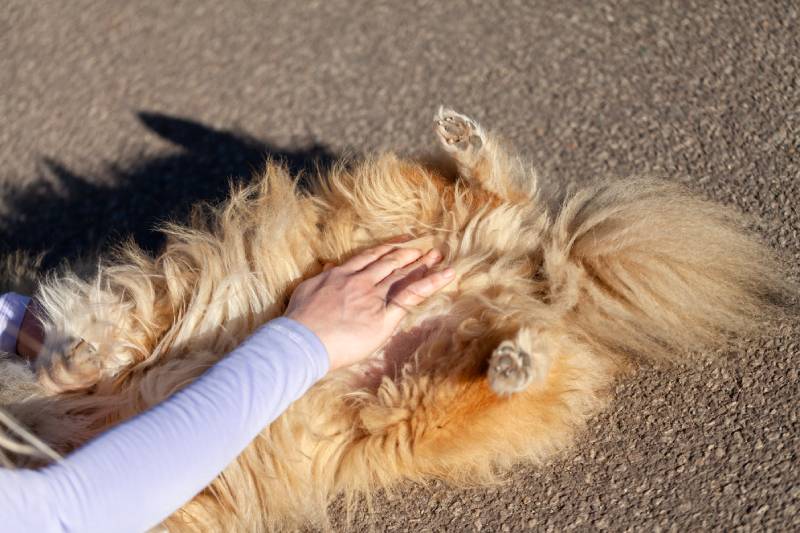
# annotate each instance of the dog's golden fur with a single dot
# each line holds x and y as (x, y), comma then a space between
(576, 288)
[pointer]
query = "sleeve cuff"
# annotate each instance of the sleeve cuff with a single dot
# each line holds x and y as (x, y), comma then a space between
(12, 311)
(306, 340)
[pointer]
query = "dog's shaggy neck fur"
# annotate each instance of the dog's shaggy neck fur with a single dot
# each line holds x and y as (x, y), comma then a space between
(554, 297)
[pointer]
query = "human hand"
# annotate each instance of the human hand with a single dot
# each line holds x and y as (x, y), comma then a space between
(31, 334)
(355, 307)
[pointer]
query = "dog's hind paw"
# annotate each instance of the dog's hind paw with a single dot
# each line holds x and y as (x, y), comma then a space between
(458, 134)
(511, 369)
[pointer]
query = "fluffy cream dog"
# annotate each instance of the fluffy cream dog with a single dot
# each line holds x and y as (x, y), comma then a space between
(556, 294)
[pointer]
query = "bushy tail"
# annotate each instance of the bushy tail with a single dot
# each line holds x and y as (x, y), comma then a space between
(645, 269)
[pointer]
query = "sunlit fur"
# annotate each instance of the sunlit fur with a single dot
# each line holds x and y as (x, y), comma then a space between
(590, 282)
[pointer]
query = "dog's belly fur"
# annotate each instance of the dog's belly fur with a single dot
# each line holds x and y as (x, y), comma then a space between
(553, 299)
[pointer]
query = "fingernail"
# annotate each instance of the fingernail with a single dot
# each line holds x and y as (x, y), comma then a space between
(448, 272)
(435, 254)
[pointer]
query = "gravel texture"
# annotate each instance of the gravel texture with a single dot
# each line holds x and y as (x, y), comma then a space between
(118, 114)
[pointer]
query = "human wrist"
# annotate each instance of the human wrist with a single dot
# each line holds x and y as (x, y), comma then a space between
(308, 325)
(31, 333)
(307, 340)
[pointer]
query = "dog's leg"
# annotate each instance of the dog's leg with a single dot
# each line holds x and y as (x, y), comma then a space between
(518, 363)
(479, 157)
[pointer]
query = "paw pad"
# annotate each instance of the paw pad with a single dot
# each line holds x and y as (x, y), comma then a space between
(510, 369)
(457, 132)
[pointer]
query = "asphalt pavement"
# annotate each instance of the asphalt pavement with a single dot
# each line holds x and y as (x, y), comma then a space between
(115, 115)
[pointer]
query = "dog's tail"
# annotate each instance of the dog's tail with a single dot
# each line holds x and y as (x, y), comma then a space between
(644, 269)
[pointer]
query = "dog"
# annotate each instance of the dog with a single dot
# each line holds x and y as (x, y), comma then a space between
(558, 292)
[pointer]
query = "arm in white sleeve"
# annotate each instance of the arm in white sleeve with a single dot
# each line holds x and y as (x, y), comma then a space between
(12, 311)
(138, 473)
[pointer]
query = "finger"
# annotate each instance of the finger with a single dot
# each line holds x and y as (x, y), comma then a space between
(328, 266)
(407, 276)
(366, 257)
(398, 258)
(399, 239)
(417, 292)
(410, 273)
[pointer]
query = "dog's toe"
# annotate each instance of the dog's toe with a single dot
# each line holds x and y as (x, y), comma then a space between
(457, 132)
(510, 369)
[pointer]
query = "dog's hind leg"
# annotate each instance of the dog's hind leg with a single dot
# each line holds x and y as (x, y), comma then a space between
(479, 157)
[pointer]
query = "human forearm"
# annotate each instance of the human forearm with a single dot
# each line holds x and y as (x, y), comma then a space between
(163, 457)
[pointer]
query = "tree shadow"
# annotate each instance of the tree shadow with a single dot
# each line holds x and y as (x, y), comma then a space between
(66, 216)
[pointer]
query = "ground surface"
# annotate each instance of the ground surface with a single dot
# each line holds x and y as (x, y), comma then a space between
(117, 114)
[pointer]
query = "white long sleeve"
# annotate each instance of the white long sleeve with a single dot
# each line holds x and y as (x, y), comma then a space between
(12, 311)
(138, 473)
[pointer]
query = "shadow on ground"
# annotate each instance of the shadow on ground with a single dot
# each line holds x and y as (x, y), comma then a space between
(66, 216)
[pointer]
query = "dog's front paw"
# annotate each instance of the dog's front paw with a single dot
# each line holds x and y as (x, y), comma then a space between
(457, 133)
(511, 369)
(68, 363)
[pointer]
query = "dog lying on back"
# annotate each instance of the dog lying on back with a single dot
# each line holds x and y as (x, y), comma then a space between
(556, 294)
